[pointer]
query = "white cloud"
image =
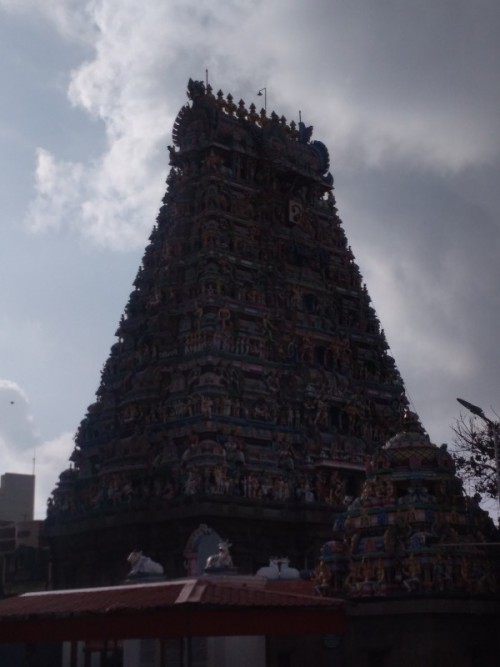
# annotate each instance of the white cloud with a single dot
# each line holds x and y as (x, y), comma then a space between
(12, 390)
(16, 424)
(72, 18)
(138, 48)
(374, 109)
(59, 187)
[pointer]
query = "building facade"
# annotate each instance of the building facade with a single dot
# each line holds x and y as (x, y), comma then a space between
(17, 497)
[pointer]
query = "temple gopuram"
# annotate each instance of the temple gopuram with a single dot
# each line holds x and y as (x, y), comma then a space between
(417, 562)
(250, 380)
(412, 530)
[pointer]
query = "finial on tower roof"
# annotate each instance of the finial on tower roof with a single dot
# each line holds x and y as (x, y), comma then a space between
(253, 116)
(241, 112)
(230, 105)
(411, 422)
(221, 102)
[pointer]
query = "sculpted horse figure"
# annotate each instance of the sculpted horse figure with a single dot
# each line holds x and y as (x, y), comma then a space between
(222, 559)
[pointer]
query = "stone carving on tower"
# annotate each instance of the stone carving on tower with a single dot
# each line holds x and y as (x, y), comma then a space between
(249, 367)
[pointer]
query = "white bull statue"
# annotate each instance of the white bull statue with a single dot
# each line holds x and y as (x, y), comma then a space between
(143, 566)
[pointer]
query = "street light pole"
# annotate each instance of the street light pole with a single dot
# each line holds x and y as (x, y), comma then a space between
(265, 97)
(494, 426)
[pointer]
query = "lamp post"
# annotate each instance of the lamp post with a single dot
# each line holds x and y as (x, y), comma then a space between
(494, 426)
(265, 97)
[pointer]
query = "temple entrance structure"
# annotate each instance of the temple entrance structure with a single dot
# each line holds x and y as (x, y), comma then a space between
(250, 377)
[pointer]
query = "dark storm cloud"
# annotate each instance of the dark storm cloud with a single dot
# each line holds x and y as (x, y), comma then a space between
(412, 78)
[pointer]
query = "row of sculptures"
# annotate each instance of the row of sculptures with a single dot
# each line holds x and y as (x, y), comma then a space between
(120, 490)
(444, 574)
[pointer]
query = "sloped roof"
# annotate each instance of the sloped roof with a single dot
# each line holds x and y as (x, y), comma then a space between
(153, 596)
(203, 606)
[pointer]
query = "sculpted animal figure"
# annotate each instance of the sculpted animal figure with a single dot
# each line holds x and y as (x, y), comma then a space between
(143, 566)
(222, 559)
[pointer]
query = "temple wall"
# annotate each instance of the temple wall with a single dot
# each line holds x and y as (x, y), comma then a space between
(423, 633)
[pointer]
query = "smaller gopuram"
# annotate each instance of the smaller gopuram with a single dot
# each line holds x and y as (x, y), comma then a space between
(417, 561)
(412, 530)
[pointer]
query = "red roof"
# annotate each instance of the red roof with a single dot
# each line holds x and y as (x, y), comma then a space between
(205, 606)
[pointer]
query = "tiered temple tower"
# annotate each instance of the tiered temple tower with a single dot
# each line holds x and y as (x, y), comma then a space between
(250, 378)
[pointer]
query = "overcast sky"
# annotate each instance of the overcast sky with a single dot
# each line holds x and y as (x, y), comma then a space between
(406, 95)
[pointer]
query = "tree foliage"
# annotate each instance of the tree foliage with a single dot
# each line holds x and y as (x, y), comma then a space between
(474, 455)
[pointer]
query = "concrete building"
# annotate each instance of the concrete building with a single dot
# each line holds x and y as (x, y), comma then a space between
(17, 497)
(23, 561)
